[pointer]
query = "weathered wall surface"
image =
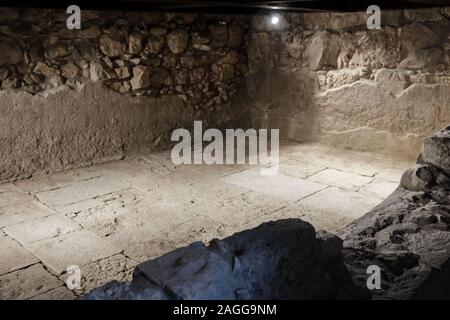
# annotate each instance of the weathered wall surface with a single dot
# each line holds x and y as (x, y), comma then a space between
(74, 97)
(378, 90)
(72, 128)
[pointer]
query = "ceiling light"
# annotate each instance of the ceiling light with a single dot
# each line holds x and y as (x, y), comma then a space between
(275, 20)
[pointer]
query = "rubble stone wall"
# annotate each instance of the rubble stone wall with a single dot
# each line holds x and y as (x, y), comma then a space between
(70, 98)
(327, 77)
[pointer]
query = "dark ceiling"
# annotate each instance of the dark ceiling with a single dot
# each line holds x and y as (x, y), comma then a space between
(230, 6)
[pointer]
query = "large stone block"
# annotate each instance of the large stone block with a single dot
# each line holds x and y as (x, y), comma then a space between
(370, 48)
(277, 260)
(10, 52)
(436, 150)
(177, 41)
(323, 50)
(112, 46)
(418, 36)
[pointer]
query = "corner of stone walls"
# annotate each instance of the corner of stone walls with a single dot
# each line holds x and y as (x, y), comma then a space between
(348, 86)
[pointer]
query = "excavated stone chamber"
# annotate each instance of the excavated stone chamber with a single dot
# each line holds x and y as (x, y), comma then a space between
(118, 88)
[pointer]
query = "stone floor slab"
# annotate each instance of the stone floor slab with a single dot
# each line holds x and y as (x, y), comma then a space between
(341, 179)
(109, 207)
(75, 248)
(146, 206)
(340, 202)
(13, 255)
(22, 212)
(242, 209)
(27, 283)
(379, 188)
(12, 196)
(300, 168)
(140, 242)
(41, 228)
(391, 174)
(102, 185)
(61, 293)
(279, 185)
(62, 196)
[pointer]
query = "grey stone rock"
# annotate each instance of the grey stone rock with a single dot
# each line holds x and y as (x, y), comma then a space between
(277, 260)
(124, 291)
(141, 78)
(424, 14)
(408, 235)
(56, 51)
(46, 70)
(418, 36)
(10, 83)
(10, 52)
(393, 80)
(95, 71)
(187, 61)
(345, 20)
(370, 48)
(436, 150)
(112, 46)
(196, 75)
(178, 41)
(90, 32)
(122, 72)
(70, 70)
(418, 178)
(219, 35)
(154, 45)
(193, 272)
(4, 72)
(323, 51)
(423, 58)
(135, 43)
(160, 77)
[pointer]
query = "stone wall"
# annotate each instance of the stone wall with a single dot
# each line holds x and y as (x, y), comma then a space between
(327, 77)
(316, 76)
(121, 83)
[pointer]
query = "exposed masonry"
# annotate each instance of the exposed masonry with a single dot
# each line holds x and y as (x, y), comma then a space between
(121, 83)
(198, 58)
(325, 76)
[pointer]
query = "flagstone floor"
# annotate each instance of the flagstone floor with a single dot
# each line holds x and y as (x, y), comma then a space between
(108, 218)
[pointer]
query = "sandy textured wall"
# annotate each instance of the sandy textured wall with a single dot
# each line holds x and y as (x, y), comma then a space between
(378, 90)
(71, 128)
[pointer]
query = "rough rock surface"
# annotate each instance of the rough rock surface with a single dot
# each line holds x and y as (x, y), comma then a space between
(277, 260)
(436, 150)
(408, 235)
(371, 90)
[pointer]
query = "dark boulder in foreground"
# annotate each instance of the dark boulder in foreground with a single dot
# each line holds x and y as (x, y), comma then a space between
(407, 236)
(277, 260)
